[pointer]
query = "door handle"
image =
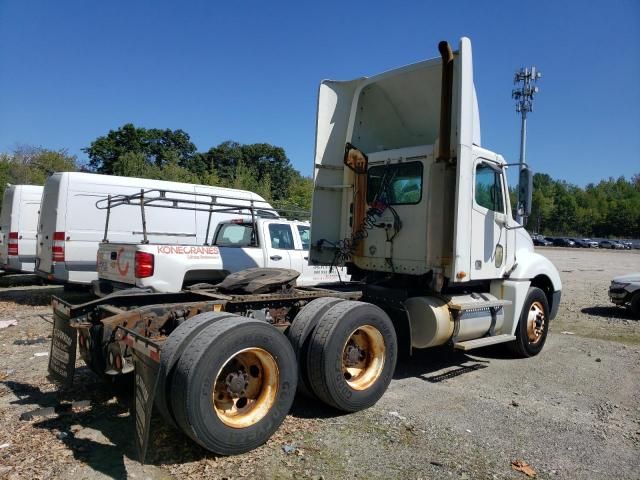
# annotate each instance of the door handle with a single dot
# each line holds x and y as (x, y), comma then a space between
(275, 257)
(306, 258)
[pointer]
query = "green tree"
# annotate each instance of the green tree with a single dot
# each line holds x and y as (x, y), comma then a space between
(263, 161)
(28, 165)
(159, 147)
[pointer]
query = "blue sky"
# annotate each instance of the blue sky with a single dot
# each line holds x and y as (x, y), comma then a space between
(249, 71)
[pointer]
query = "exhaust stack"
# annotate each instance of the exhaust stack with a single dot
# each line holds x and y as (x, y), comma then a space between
(444, 144)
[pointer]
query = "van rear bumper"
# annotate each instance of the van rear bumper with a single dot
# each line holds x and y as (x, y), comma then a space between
(68, 272)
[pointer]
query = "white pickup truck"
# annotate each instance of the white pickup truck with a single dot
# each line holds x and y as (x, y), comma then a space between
(236, 245)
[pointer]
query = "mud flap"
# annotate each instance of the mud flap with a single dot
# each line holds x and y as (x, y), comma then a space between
(62, 357)
(146, 380)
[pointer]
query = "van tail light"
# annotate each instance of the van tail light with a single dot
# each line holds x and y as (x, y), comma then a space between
(58, 247)
(13, 244)
(144, 264)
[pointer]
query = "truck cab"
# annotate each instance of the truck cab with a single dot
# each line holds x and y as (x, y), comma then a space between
(406, 196)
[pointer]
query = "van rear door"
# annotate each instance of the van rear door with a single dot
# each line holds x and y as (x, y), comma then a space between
(5, 223)
(51, 216)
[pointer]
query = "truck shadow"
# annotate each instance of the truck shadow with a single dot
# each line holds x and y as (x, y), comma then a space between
(610, 312)
(101, 434)
(40, 295)
(438, 364)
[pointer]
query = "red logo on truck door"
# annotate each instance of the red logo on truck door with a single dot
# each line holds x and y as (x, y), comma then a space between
(122, 269)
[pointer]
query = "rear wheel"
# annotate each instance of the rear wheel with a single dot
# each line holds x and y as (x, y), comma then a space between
(300, 333)
(352, 356)
(171, 352)
(531, 332)
(234, 385)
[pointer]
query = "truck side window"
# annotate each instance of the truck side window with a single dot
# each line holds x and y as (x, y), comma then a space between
(489, 188)
(234, 235)
(304, 232)
(403, 183)
(281, 236)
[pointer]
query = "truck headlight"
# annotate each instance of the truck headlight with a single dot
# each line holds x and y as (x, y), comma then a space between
(618, 286)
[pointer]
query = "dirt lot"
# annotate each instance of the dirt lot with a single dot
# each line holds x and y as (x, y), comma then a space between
(572, 412)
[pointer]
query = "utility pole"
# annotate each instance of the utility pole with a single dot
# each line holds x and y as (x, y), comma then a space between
(525, 79)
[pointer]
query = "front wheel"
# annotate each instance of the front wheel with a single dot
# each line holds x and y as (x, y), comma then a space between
(635, 304)
(531, 332)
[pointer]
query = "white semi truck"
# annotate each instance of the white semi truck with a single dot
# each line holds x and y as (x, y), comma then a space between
(408, 200)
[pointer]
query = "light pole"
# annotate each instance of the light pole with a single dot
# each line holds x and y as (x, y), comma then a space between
(525, 79)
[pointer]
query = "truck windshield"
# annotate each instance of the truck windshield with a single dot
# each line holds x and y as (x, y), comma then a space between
(235, 235)
(403, 182)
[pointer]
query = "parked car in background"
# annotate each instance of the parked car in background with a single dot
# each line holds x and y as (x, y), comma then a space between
(540, 241)
(611, 244)
(626, 244)
(625, 291)
(585, 242)
(563, 242)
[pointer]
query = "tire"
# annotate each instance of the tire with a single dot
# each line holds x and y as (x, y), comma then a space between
(364, 332)
(97, 351)
(635, 304)
(300, 333)
(233, 357)
(531, 338)
(170, 355)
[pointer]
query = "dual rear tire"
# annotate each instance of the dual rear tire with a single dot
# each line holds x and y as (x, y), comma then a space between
(347, 352)
(228, 383)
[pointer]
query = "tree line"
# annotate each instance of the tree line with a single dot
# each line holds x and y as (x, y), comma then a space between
(610, 208)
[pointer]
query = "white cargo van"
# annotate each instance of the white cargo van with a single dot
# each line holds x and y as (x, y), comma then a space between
(18, 225)
(71, 226)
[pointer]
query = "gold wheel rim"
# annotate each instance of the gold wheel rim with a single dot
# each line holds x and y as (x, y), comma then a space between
(246, 387)
(535, 322)
(363, 357)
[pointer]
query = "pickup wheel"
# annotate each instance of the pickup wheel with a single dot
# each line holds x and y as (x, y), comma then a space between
(352, 356)
(531, 332)
(300, 333)
(171, 352)
(234, 385)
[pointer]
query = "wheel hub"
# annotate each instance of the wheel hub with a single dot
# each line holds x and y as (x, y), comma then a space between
(246, 387)
(237, 383)
(353, 355)
(363, 357)
(535, 322)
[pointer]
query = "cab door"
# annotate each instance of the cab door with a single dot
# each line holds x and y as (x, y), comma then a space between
(278, 245)
(488, 221)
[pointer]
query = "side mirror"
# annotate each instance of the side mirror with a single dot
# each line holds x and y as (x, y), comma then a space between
(355, 159)
(525, 191)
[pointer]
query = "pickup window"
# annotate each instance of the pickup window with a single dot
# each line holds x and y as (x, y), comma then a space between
(235, 235)
(305, 239)
(404, 183)
(281, 236)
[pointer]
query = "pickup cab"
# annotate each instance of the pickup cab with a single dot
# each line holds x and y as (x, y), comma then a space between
(237, 244)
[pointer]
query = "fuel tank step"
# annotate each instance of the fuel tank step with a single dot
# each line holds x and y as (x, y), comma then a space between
(483, 342)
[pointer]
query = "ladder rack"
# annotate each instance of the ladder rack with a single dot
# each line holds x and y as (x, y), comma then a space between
(163, 198)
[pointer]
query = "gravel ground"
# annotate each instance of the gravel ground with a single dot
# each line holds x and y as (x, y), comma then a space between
(572, 412)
